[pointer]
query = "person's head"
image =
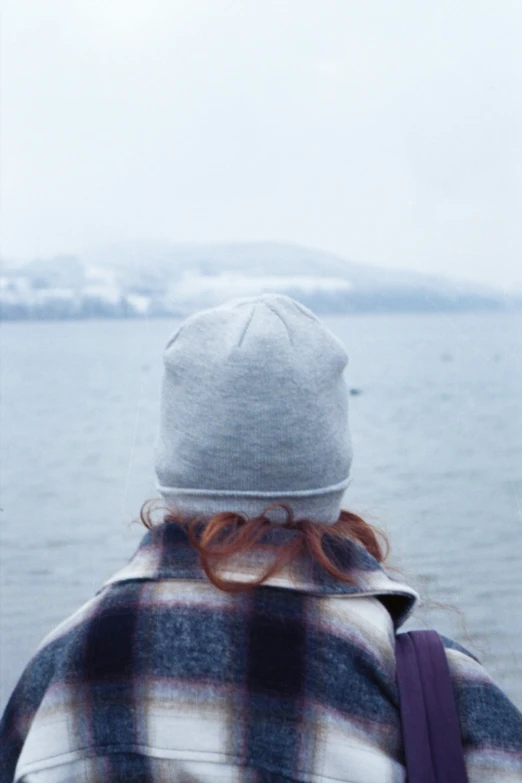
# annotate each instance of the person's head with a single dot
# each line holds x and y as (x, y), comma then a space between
(254, 416)
(254, 411)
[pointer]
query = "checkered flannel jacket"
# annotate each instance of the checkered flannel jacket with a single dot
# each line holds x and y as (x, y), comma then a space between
(163, 677)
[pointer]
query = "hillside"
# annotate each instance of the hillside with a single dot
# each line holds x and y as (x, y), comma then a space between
(154, 279)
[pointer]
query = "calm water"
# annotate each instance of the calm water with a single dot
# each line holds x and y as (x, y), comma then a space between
(437, 429)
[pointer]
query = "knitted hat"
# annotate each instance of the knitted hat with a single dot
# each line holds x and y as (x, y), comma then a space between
(254, 411)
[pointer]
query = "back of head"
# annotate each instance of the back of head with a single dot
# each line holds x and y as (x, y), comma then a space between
(254, 411)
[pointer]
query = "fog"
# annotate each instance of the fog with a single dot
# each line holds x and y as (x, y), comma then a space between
(390, 133)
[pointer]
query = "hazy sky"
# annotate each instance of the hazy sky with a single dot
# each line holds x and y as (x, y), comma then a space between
(387, 131)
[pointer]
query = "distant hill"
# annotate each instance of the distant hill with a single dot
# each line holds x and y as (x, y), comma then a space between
(155, 279)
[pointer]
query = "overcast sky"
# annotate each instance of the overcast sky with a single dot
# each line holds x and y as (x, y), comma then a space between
(388, 132)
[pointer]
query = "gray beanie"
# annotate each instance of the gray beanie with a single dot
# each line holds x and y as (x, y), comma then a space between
(254, 411)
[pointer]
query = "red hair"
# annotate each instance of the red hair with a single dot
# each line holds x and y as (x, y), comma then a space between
(229, 534)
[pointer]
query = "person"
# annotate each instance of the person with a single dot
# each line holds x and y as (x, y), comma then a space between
(251, 636)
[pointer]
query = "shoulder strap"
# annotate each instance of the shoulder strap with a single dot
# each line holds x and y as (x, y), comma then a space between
(430, 723)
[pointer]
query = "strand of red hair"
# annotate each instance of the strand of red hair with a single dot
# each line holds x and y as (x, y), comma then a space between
(229, 534)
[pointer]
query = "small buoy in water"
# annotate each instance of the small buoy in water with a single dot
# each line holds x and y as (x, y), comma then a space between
(354, 392)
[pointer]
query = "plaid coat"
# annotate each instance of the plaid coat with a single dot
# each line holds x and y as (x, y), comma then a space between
(163, 677)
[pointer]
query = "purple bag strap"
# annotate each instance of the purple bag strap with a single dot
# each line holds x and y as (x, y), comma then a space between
(430, 723)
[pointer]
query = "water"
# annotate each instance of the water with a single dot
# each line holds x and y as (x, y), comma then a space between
(437, 429)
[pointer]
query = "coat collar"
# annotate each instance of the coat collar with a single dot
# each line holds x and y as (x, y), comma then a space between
(165, 553)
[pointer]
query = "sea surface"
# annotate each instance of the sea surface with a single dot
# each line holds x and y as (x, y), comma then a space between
(436, 417)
